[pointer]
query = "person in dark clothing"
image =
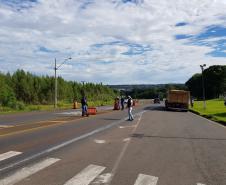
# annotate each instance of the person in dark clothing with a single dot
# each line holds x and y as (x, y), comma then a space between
(84, 106)
(122, 103)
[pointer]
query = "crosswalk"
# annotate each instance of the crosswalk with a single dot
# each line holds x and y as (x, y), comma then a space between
(8, 155)
(90, 175)
(27, 171)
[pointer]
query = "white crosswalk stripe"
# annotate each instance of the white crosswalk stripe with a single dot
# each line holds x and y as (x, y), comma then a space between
(86, 176)
(102, 179)
(91, 175)
(27, 171)
(146, 180)
(8, 155)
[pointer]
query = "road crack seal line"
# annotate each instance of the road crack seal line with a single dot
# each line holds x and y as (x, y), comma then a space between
(123, 151)
(57, 147)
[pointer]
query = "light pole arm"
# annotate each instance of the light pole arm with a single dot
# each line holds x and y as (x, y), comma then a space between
(55, 69)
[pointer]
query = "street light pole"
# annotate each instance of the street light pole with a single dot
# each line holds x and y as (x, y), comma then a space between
(55, 69)
(55, 99)
(203, 87)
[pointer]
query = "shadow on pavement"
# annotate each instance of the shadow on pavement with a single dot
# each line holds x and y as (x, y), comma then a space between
(112, 119)
(158, 108)
(220, 114)
(162, 108)
(140, 136)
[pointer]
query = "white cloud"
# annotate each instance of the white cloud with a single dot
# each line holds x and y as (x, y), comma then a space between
(71, 27)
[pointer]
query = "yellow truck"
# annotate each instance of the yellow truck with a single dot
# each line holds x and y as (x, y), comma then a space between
(177, 99)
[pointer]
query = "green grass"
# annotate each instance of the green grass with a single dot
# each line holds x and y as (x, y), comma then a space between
(61, 105)
(215, 110)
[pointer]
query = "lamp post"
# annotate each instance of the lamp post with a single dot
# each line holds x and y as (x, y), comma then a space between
(55, 69)
(203, 87)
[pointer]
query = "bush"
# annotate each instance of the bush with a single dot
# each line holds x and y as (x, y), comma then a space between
(7, 97)
(20, 105)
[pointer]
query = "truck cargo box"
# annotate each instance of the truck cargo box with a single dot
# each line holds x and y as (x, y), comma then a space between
(178, 99)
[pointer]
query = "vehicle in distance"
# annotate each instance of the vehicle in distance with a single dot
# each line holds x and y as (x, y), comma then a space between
(177, 99)
(156, 100)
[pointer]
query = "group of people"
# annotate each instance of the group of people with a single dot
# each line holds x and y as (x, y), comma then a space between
(119, 103)
(122, 102)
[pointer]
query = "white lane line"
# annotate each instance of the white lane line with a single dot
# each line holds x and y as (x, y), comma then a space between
(146, 180)
(126, 139)
(27, 171)
(5, 126)
(99, 141)
(102, 179)
(70, 113)
(9, 154)
(123, 151)
(54, 148)
(127, 126)
(200, 184)
(57, 121)
(86, 176)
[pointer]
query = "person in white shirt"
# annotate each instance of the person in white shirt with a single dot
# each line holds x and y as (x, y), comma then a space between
(130, 108)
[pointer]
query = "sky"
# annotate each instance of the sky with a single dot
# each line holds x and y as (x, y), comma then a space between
(113, 41)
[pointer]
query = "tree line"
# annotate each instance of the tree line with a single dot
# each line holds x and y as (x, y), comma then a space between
(25, 88)
(156, 91)
(214, 83)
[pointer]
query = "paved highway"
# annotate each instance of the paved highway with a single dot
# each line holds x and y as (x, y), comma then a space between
(158, 148)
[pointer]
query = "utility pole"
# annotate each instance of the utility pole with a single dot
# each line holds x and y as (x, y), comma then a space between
(55, 99)
(55, 70)
(203, 87)
(83, 89)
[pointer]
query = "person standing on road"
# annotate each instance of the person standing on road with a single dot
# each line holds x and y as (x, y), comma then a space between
(84, 106)
(130, 108)
(122, 103)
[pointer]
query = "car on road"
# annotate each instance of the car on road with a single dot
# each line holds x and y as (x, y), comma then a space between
(156, 100)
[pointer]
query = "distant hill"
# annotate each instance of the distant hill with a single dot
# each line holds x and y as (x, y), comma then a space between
(142, 86)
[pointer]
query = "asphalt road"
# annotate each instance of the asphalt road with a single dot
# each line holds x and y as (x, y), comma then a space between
(158, 148)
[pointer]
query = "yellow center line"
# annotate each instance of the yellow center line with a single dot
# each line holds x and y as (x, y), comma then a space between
(49, 123)
(36, 128)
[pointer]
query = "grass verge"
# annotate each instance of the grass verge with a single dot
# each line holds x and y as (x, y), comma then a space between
(215, 110)
(60, 106)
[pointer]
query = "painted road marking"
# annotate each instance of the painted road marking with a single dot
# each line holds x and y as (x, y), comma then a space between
(146, 180)
(27, 171)
(86, 176)
(99, 141)
(5, 126)
(54, 148)
(126, 139)
(8, 155)
(123, 151)
(70, 113)
(57, 121)
(200, 184)
(102, 179)
(127, 126)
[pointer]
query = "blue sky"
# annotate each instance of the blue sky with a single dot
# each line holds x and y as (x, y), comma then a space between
(113, 41)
